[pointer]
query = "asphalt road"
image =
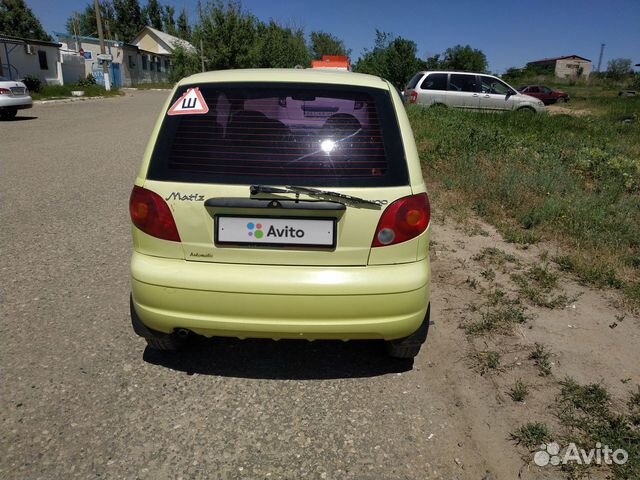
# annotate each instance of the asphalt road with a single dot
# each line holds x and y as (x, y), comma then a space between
(81, 397)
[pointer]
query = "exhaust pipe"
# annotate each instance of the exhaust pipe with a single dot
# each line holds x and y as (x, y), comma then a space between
(182, 333)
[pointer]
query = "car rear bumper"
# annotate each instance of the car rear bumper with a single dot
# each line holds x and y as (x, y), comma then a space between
(262, 301)
(15, 103)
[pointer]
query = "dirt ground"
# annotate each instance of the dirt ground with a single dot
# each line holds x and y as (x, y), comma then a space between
(589, 341)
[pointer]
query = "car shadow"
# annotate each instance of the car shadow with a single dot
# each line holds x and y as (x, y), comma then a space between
(18, 119)
(281, 360)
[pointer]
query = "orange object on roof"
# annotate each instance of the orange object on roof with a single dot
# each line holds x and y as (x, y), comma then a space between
(337, 62)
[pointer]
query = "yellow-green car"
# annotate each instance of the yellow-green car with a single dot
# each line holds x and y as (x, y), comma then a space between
(281, 204)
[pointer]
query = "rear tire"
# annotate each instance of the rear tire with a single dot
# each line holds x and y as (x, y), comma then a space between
(527, 110)
(409, 347)
(8, 114)
(560, 100)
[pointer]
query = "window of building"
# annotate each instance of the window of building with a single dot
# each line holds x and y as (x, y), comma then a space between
(158, 65)
(167, 64)
(42, 58)
(144, 61)
(131, 63)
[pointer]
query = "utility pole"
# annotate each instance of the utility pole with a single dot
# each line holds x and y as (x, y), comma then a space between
(600, 58)
(201, 47)
(105, 64)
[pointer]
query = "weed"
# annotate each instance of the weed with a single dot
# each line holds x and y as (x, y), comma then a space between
(519, 391)
(531, 434)
(495, 256)
(537, 284)
(541, 357)
(585, 413)
(487, 361)
(472, 282)
(488, 274)
(521, 237)
(498, 319)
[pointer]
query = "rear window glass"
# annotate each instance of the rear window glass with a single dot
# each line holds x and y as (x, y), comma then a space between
(414, 81)
(283, 134)
(435, 81)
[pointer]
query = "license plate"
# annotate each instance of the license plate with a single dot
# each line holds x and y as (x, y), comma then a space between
(270, 231)
(17, 90)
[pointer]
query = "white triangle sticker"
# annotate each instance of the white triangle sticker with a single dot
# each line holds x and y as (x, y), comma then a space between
(191, 103)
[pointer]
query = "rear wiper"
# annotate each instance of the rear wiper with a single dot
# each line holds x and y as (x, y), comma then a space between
(313, 192)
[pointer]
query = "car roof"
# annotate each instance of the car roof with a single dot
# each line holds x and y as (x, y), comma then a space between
(456, 71)
(333, 77)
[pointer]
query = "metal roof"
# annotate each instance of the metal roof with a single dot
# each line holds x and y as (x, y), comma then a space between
(23, 41)
(559, 58)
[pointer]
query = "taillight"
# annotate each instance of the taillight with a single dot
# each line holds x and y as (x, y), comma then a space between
(413, 98)
(5, 91)
(151, 214)
(403, 220)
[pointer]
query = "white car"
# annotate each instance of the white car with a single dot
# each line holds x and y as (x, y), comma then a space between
(470, 91)
(14, 96)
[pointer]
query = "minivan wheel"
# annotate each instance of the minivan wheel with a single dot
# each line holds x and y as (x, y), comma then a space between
(409, 347)
(168, 342)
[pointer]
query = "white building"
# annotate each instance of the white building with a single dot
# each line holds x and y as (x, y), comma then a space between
(21, 57)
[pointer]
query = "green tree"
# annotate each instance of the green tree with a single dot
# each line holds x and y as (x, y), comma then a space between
(153, 14)
(129, 19)
(182, 25)
(279, 47)
(168, 20)
(19, 20)
(393, 58)
(184, 63)
(228, 34)
(323, 43)
(619, 68)
(464, 58)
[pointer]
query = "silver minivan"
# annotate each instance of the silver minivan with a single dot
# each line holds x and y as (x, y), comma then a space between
(472, 91)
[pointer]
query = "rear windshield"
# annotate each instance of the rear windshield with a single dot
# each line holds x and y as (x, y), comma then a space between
(298, 134)
(414, 81)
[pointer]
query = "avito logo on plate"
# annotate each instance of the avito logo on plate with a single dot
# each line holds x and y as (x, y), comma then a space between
(255, 230)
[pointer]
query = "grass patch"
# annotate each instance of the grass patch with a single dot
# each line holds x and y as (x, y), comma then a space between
(542, 359)
(495, 256)
(531, 434)
(51, 92)
(153, 86)
(537, 284)
(486, 362)
(501, 319)
(519, 391)
(572, 179)
(587, 417)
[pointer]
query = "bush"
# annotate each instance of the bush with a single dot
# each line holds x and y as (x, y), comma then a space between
(33, 83)
(85, 82)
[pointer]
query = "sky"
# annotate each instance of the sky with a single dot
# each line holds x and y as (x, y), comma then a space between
(510, 33)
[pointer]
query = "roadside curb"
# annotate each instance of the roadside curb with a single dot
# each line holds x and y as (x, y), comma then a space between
(66, 100)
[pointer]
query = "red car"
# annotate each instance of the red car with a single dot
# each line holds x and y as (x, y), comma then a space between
(545, 94)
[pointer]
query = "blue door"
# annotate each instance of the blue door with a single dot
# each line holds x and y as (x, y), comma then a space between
(116, 81)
